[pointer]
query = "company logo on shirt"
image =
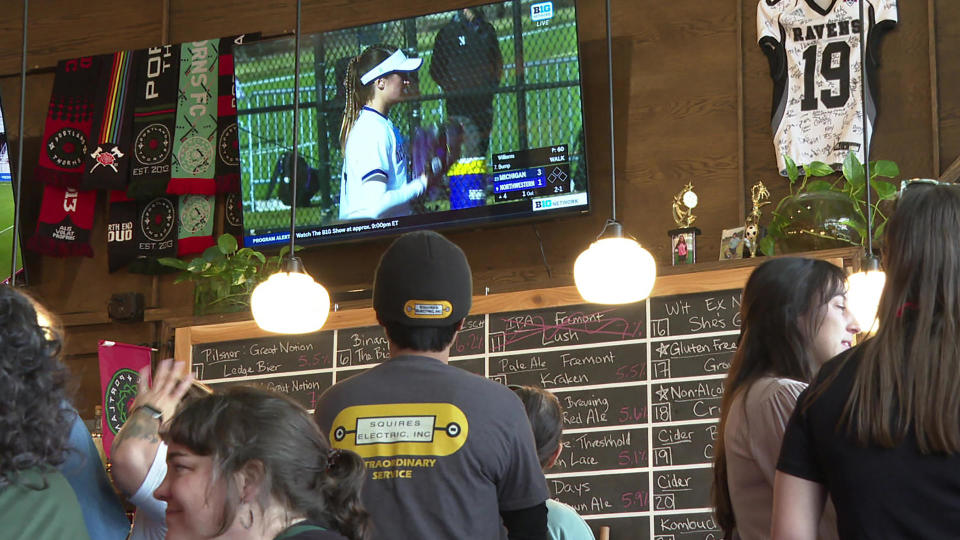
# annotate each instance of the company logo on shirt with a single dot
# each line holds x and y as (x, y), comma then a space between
(395, 429)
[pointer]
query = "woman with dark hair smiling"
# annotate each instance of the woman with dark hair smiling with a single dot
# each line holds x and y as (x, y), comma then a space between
(879, 431)
(36, 501)
(793, 319)
(251, 464)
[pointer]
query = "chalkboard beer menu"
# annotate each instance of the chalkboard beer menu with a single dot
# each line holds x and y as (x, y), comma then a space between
(640, 384)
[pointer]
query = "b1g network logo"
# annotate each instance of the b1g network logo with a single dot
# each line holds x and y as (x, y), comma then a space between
(541, 11)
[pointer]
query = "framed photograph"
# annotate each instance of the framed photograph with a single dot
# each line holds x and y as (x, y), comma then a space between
(731, 244)
(684, 246)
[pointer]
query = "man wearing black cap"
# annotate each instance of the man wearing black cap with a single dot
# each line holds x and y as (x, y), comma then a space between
(448, 453)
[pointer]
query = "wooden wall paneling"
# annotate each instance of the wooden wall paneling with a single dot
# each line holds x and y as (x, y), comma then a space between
(60, 29)
(683, 119)
(947, 25)
(760, 161)
(83, 386)
(903, 131)
(934, 86)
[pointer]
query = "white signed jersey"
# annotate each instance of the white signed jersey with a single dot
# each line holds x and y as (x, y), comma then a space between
(815, 64)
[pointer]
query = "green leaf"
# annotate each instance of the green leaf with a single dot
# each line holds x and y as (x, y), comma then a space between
(857, 225)
(197, 265)
(885, 190)
(211, 254)
(259, 256)
(878, 232)
(181, 278)
(853, 170)
(173, 262)
(227, 244)
(818, 168)
(766, 245)
(238, 277)
(884, 168)
(283, 251)
(819, 185)
(792, 171)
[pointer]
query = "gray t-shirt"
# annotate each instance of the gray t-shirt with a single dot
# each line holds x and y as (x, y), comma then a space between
(445, 450)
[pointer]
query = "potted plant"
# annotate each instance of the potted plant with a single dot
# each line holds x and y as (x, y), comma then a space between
(828, 208)
(225, 275)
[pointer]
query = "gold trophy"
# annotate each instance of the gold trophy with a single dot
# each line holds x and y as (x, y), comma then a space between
(683, 239)
(751, 226)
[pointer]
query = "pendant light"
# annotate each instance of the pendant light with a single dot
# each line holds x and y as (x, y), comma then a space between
(290, 301)
(615, 269)
(865, 287)
(15, 252)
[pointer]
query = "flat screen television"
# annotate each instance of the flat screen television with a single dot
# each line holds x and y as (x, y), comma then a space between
(496, 98)
(7, 209)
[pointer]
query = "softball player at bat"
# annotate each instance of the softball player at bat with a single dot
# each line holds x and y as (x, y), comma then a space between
(374, 181)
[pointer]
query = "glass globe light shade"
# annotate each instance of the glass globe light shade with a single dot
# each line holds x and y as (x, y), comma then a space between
(290, 303)
(614, 270)
(863, 297)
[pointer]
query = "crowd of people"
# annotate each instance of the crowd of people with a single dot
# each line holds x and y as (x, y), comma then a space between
(820, 437)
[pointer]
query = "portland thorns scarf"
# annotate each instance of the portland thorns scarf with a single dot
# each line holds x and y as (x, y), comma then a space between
(69, 120)
(228, 145)
(195, 138)
(107, 165)
(66, 217)
(155, 235)
(121, 242)
(196, 224)
(155, 104)
(233, 216)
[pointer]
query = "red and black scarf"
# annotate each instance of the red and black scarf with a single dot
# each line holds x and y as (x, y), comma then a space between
(228, 143)
(69, 121)
(66, 218)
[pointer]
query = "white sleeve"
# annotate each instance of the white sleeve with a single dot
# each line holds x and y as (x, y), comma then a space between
(143, 499)
(884, 10)
(768, 19)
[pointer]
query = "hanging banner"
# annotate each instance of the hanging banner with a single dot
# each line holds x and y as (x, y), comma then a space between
(120, 366)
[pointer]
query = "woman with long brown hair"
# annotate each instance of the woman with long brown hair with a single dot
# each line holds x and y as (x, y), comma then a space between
(374, 182)
(793, 319)
(879, 431)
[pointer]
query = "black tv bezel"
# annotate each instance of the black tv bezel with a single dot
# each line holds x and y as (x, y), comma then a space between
(486, 221)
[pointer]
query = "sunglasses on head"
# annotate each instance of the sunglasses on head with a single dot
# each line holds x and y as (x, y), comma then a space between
(907, 184)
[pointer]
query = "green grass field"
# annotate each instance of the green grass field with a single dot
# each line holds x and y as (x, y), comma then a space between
(553, 114)
(6, 230)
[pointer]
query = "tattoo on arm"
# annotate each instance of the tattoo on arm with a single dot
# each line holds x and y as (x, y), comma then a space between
(139, 426)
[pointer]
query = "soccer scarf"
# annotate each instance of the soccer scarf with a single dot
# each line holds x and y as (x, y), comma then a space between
(121, 242)
(69, 120)
(66, 217)
(155, 235)
(195, 233)
(233, 215)
(195, 138)
(228, 145)
(107, 165)
(154, 116)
